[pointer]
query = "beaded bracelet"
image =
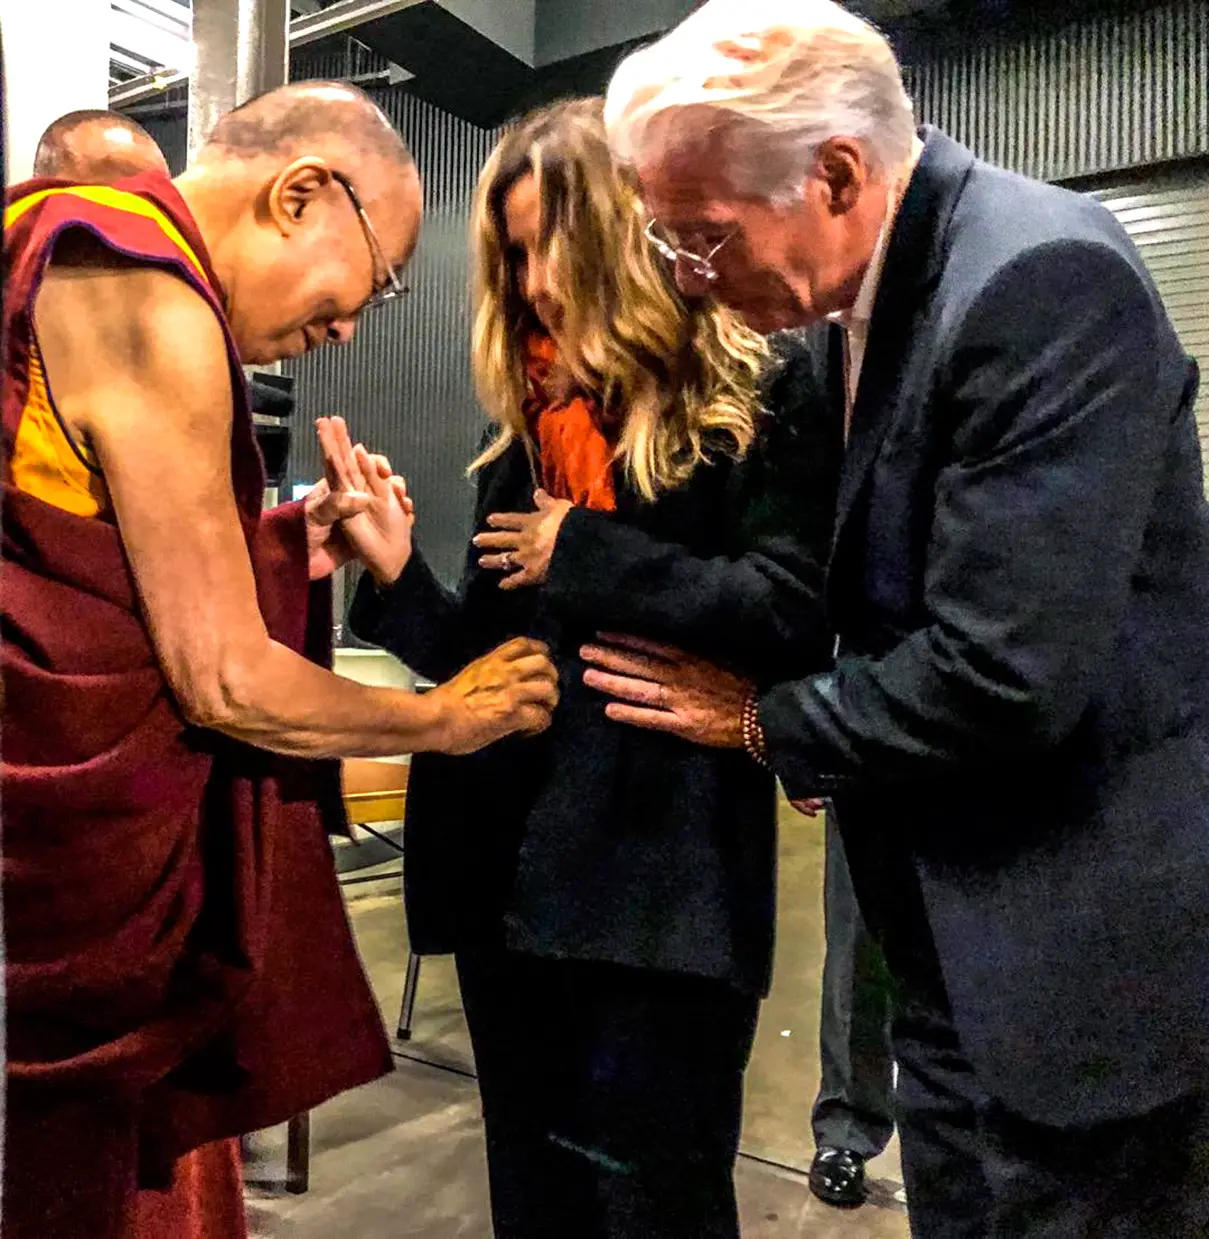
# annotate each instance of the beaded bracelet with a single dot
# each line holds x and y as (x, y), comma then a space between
(753, 733)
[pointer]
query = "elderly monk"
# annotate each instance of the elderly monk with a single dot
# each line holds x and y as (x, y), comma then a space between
(180, 969)
(96, 148)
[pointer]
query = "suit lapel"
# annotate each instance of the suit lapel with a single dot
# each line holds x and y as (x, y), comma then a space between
(885, 355)
(913, 263)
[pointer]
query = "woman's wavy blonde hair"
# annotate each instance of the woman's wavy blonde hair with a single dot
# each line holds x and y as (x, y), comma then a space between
(677, 379)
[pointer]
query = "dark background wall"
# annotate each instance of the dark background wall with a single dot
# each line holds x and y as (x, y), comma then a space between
(1104, 94)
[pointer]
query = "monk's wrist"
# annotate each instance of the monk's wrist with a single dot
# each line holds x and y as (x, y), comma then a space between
(434, 722)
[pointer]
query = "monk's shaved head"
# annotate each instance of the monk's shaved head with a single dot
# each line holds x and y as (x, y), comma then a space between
(310, 117)
(97, 148)
(310, 204)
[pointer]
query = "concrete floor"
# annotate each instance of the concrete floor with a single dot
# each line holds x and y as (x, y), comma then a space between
(403, 1158)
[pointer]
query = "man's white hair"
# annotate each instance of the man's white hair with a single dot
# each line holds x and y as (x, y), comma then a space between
(780, 77)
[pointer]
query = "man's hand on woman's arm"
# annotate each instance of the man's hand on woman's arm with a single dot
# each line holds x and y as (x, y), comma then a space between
(664, 689)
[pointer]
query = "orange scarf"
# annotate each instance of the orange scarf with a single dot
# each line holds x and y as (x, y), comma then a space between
(575, 454)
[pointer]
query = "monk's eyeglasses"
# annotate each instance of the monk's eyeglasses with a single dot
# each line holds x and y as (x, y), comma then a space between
(394, 287)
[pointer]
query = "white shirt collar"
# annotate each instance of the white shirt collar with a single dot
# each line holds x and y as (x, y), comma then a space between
(855, 320)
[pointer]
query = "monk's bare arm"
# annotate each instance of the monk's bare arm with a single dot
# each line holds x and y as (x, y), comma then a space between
(137, 363)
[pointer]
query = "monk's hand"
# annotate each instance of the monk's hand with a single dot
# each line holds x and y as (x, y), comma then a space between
(664, 689)
(521, 544)
(327, 547)
(512, 689)
(380, 532)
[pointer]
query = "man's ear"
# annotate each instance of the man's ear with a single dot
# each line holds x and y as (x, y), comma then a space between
(841, 164)
(294, 189)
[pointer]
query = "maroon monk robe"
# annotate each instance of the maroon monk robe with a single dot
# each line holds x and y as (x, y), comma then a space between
(180, 966)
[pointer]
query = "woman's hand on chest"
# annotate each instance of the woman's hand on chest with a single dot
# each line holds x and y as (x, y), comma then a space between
(520, 545)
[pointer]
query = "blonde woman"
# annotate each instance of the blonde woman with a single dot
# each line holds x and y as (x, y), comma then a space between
(609, 895)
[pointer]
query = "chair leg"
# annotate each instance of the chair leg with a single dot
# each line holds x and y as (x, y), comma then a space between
(298, 1154)
(411, 983)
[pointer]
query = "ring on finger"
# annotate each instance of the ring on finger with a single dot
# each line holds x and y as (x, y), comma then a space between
(506, 561)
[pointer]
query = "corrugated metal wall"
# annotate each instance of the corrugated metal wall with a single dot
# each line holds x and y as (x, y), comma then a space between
(170, 132)
(1098, 94)
(1168, 219)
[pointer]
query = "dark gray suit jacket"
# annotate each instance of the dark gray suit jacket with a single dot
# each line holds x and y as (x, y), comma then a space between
(1016, 728)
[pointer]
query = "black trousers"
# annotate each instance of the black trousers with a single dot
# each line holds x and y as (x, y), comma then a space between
(854, 1108)
(612, 1097)
(973, 1169)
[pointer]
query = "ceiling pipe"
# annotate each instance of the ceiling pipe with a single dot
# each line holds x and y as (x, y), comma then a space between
(310, 28)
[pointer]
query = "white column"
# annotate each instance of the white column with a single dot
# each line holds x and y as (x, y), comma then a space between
(242, 51)
(56, 60)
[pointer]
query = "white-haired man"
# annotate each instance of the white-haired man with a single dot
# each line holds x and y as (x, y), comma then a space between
(1016, 731)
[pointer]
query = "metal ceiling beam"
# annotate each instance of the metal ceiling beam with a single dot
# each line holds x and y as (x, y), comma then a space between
(393, 75)
(343, 17)
(177, 13)
(171, 23)
(126, 60)
(140, 89)
(336, 19)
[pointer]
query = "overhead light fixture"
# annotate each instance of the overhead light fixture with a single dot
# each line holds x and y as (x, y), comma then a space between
(157, 33)
(173, 16)
(132, 64)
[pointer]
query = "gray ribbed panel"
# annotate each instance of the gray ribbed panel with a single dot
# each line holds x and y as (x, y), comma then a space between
(1169, 223)
(404, 383)
(1096, 95)
(335, 60)
(171, 133)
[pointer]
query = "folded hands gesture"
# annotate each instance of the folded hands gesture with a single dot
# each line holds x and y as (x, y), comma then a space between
(377, 525)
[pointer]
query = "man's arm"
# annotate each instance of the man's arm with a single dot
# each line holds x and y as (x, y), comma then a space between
(1059, 424)
(138, 364)
(761, 608)
(1053, 389)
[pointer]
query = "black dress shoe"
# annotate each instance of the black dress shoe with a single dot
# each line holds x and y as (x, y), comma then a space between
(837, 1177)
